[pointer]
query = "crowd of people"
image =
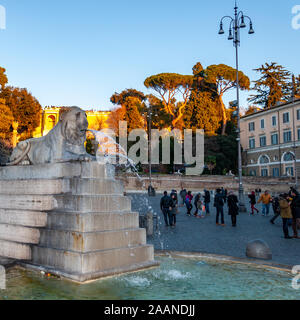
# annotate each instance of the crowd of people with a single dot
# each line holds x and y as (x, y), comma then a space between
(286, 205)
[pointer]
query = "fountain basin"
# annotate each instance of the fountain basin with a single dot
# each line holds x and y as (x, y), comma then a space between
(178, 278)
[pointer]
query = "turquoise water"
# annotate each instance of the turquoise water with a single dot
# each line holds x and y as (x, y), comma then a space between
(186, 279)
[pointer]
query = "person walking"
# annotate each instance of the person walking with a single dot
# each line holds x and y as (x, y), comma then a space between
(183, 194)
(233, 209)
(188, 202)
(266, 199)
(166, 207)
(174, 209)
(286, 213)
(174, 193)
(295, 206)
(219, 205)
(276, 209)
(207, 201)
(197, 199)
(252, 198)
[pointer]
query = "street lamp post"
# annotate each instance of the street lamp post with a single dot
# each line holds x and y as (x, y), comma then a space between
(151, 190)
(237, 23)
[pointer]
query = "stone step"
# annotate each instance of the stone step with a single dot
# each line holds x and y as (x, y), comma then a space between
(98, 203)
(19, 234)
(96, 187)
(90, 222)
(15, 250)
(85, 263)
(92, 241)
(28, 202)
(58, 170)
(60, 186)
(23, 218)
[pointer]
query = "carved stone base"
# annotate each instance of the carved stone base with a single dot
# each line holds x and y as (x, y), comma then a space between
(71, 219)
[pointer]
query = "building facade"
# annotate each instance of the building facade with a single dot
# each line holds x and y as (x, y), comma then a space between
(270, 140)
(50, 116)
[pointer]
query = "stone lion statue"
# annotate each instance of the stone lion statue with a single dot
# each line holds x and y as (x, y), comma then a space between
(65, 142)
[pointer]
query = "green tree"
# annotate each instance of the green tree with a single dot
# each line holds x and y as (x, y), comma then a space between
(25, 108)
(222, 78)
(272, 86)
(130, 102)
(168, 86)
(295, 86)
(202, 110)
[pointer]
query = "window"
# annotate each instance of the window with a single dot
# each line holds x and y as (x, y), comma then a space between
(298, 130)
(274, 138)
(298, 114)
(287, 136)
(264, 160)
(252, 143)
(252, 173)
(264, 172)
(251, 126)
(274, 121)
(262, 123)
(275, 172)
(289, 171)
(263, 141)
(286, 117)
(288, 157)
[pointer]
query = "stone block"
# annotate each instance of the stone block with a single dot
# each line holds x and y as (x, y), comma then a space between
(99, 203)
(95, 187)
(90, 222)
(91, 262)
(57, 170)
(28, 202)
(92, 241)
(35, 187)
(23, 218)
(19, 234)
(15, 250)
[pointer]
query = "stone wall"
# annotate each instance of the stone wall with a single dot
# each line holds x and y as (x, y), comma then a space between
(169, 182)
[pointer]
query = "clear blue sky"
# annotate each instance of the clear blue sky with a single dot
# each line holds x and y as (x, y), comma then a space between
(72, 52)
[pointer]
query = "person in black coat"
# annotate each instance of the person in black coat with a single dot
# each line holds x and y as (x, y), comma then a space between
(166, 207)
(207, 201)
(196, 200)
(174, 209)
(233, 209)
(219, 204)
(295, 206)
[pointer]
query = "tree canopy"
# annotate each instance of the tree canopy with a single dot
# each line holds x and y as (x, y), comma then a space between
(168, 86)
(223, 77)
(3, 78)
(7, 119)
(25, 109)
(130, 102)
(272, 86)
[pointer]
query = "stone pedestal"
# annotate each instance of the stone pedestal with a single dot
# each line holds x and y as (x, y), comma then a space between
(70, 219)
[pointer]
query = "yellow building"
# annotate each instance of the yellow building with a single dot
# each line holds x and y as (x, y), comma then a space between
(50, 116)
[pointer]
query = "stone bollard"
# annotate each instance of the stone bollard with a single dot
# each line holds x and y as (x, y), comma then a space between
(149, 224)
(258, 249)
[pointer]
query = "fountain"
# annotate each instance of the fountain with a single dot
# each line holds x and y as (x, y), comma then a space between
(63, 212)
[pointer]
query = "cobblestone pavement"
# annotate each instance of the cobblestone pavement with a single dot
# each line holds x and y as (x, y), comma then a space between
(202, 235)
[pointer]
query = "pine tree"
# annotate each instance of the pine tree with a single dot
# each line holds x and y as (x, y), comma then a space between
(272, 87)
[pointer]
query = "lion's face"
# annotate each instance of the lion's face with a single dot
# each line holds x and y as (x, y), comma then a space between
(74, 125)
